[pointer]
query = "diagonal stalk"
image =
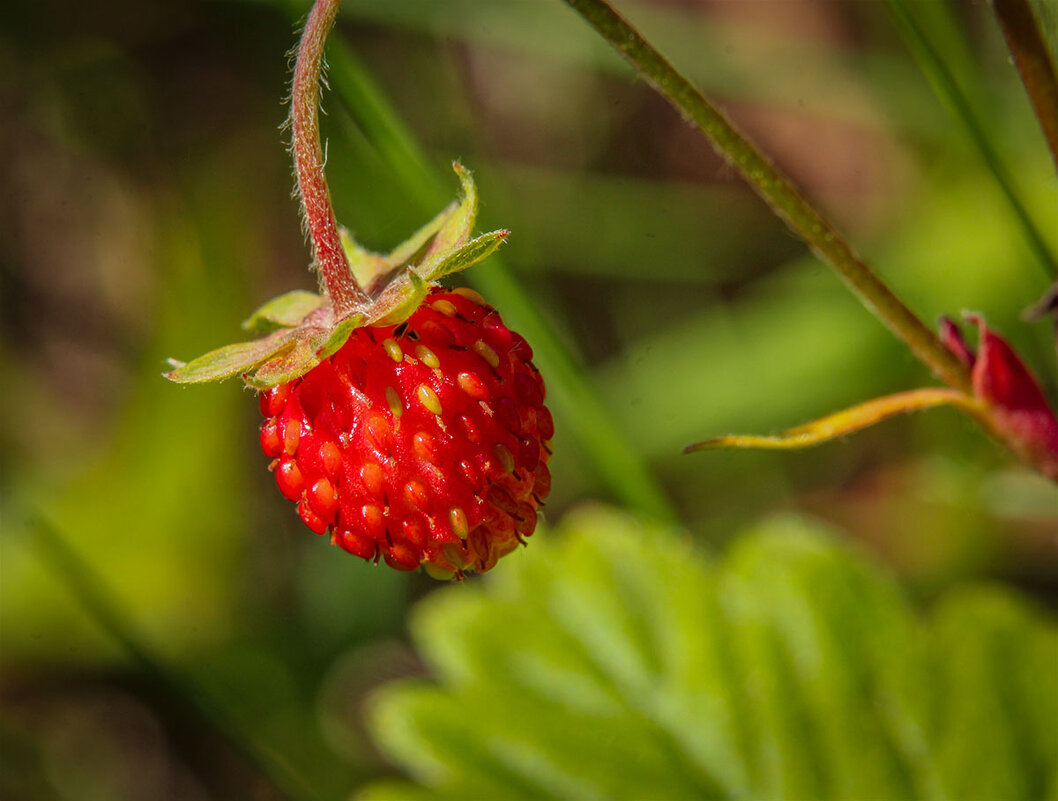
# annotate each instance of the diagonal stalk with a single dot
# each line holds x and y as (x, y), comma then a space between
(952, 96)
(308, 162)
(776, 190)
(1025, 41)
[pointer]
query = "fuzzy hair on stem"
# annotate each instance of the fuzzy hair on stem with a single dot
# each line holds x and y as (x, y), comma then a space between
(309, 161)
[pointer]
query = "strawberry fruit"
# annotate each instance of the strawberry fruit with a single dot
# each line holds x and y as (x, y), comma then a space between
(422, 442)
(406, 420)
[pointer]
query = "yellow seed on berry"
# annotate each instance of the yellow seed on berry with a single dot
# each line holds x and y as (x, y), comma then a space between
(393, 401)
(393, 350)
(486, 353)
(428, 398)
(458, 519)
(445, 307)
(469, 294)
(427, 356)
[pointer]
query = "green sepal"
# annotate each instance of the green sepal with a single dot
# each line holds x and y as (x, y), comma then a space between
(286, 311)
(285, 367)
(300, 327)
(338, 336)
(228, 361)
(367, 267)
(400, 300)
(370, 268)
(456, 229)
(468, 255)
(412, 250)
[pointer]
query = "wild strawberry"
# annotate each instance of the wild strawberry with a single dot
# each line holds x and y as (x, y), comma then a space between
(422, 442)
(406, 420)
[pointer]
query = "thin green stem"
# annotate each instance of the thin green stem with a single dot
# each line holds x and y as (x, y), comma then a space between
(589, 422)
(952, 95)
(777, 191)
(1025, 41)
(94, 597)
(308, 162)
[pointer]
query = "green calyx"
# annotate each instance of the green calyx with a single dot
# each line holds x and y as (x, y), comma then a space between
(300, 329)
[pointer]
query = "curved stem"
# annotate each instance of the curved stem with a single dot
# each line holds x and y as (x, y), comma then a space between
(777, 191)
(308, 162)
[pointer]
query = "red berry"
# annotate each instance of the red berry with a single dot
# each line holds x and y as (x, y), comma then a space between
(421, 443)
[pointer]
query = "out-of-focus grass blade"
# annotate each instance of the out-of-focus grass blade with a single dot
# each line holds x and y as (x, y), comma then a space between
(93, 595)
(578, 404)
(934, 64)
(1026, 40)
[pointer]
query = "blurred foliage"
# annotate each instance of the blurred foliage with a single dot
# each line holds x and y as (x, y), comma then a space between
(147, 212)
(614, 661)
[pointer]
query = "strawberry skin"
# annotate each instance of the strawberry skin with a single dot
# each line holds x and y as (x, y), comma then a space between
(421, 443)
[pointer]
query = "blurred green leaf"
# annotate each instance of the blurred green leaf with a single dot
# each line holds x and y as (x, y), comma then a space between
(615, 662)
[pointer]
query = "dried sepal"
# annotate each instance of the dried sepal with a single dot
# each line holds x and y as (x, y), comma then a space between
(847, 421)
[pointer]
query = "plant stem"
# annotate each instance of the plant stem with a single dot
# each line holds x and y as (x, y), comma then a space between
(777, 191)
(590, 424)
(1026, 43)
(308, 162)
(950, 93)
(94, 597)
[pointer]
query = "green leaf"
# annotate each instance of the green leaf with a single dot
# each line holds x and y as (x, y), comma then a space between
(612, 661)
(286, 311)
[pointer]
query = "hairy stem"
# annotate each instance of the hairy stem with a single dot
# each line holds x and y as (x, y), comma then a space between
(777, 191)
(308, 162)
(605, 446)
(1026, 43)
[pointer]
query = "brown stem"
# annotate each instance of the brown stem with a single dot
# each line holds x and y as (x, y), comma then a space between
(308, 162)
(1027, 46)
(777, 190)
